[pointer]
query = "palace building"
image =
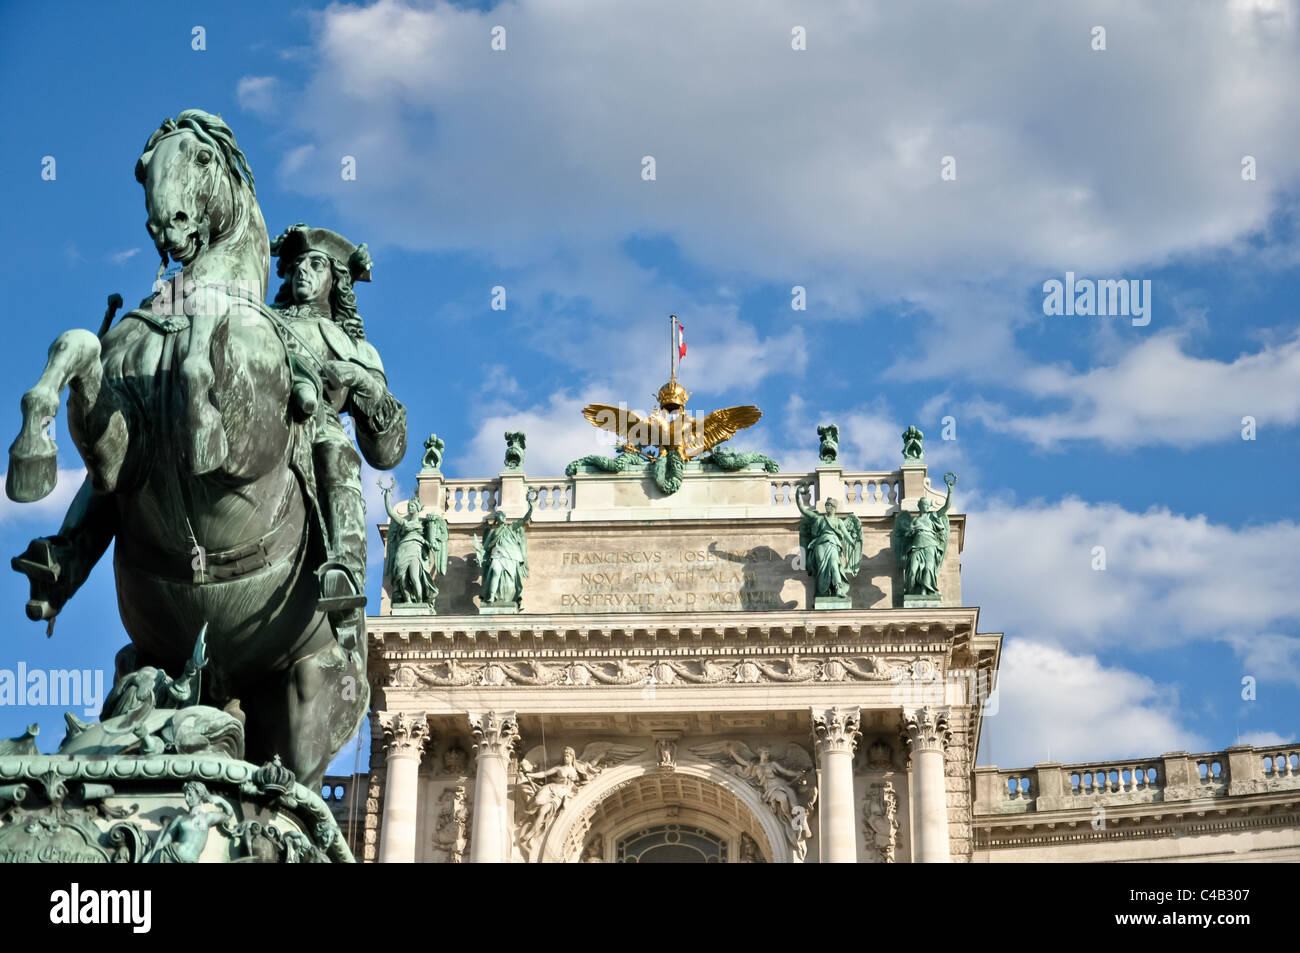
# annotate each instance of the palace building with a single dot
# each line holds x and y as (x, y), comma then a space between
(670, 687)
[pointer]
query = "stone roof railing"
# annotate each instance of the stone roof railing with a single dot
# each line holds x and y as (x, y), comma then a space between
(742, 494)
(1176, 776)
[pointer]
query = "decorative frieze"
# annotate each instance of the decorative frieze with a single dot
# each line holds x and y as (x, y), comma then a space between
(451, 672)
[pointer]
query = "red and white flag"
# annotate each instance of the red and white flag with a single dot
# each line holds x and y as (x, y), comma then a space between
(681, 341)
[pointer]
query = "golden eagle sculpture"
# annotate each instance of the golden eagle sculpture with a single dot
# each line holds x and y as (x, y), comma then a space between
(669, 436)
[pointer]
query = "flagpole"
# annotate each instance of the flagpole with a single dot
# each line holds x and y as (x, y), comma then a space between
(672, 343)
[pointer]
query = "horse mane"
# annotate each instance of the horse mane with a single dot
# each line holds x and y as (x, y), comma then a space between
(212, 131)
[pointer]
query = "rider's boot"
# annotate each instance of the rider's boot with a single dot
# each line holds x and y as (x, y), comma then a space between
(342, 578)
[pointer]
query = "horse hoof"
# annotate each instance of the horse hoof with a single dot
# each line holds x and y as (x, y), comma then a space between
(33, 472)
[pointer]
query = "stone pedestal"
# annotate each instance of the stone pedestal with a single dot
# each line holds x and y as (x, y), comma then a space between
(498, 610)
(926, 732)
(832, 602)
(913, 484)
(407, 608)
(835, 733)
(494, 735)
(404, 736)
(922, 602)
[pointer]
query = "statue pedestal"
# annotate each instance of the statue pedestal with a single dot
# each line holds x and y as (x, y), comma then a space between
(170, 808)
(922, 602)
(498, 610)
(412, 608)
(832, 602)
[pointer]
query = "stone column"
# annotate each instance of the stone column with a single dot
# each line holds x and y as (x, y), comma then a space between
(404, 737)
(835, 732)
(926, 732)
(494, 735)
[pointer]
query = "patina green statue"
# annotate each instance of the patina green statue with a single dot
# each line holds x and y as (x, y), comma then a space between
(335, 369)
(503, 558)
(913, 445)
(433, 447)
(516, 444)
(183, 839)
(920, 543)
(416, 552)
(828, 450)
(832, 546)
(203, 459)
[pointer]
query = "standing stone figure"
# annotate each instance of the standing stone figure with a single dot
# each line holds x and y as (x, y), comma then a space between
(503, 558)
(881, 810)
(829, 450)
(920, 543)
(449, 837)
(913, 445)
(416, 552)
(832, 546)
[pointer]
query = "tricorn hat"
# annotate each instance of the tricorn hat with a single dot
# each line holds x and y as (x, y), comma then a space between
(297, 240)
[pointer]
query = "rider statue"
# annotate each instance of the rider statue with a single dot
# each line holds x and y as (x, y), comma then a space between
(335, 370)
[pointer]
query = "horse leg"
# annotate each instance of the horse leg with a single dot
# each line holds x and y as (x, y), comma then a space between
(207, 435)
(96, 420)
(308, 714)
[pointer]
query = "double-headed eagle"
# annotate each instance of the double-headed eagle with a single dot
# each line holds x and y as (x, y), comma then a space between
(669, 426)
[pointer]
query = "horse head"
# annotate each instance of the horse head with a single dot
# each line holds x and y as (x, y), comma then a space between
(199, 190)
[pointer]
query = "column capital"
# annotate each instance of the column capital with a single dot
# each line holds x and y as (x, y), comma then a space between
(405, 733)
(495, 732)
(835, 729)
(926, 729)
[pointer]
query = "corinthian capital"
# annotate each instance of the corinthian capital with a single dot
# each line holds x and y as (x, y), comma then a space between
(926, 729)
(405, 732)
(835, 729)
(494, 732)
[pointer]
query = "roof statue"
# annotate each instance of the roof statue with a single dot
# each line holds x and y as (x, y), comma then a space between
(669, 436)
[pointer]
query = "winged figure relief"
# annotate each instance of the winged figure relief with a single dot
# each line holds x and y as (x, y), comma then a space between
(548, 790)
(783, 774)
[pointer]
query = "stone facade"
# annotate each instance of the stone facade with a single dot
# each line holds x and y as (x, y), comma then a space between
(668, 691)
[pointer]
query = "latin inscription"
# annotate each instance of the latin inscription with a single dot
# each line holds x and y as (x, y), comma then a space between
(666, 580)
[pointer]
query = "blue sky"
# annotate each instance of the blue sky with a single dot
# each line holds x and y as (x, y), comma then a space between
(774, 168)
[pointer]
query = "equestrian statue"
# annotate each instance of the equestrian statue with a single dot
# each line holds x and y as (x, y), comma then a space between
(209, 423)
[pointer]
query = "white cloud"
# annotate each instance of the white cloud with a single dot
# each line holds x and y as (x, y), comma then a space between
(1264, 739)
(259, 95)
(821, 164)
(557, 434)
(1157, 393)
(1056, 705)
(52, 507)
(122, 257)
(1169, 580)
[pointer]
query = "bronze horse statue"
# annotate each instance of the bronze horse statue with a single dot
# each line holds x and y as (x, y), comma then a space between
(196, 464)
